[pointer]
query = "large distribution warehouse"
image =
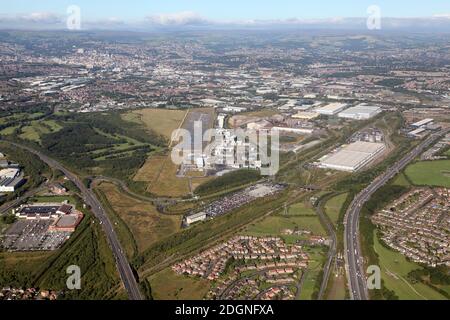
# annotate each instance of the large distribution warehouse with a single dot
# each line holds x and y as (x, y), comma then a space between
(361, 112)
(352, 157)
(331, 109)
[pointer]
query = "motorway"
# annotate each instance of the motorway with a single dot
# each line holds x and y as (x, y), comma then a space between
(354, 262)
(125, 271)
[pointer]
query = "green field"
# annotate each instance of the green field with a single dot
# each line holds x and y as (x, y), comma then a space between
(333, 207)
(401, 180)
(310, 285)
(50, 199)
(337, 290)
(299, 216)
(301, 209)
(395, 269)
(37, 129)
(430, 173)
(167, 285)
(8, 131)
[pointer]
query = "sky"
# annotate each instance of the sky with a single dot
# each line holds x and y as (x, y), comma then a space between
(169, 12)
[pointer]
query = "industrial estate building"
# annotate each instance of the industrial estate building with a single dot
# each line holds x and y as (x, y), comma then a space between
(65, 217)
(41, 227)
(352, 157)
(10, 179)
(422, 123)
(331, 109)
(305, 115)
(361, 112)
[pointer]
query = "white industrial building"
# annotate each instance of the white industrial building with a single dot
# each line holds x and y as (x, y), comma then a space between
(10, 179)
(361, 112)
(331, 109)
(418, 133)
(422, 123)
(193, 218)
(294, 130)
(303, 115)
(352, 157)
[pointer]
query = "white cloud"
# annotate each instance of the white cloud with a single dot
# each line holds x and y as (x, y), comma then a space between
(41, 17)
(192, 20)
(184, 18)
(442, 15)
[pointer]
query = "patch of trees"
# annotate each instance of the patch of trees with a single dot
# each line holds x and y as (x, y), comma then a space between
(73, 143)
(8, 219)
(228, 181)
(432, 277)
(124, 167)
(89, 250)
(438, 276)
(32, 166)
(113, 124)
(379, 200)
(390, 82)
(69, 185)
(44, 109)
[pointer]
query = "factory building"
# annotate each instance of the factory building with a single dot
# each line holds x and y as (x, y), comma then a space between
(352, 157)
(303, 115)
(10, 179)
(422, 123)
(361, 112)
(197, 217)
(331, 109)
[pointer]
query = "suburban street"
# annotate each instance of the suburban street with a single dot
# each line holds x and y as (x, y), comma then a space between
(353, 255)
(89, 198)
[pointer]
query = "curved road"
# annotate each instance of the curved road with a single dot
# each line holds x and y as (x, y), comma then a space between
(125, 271)
(353, 256)
(333, 247)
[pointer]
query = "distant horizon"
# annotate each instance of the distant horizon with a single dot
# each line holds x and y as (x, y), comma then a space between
(232, 14)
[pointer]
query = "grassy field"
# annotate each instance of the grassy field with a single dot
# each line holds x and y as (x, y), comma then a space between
(274, 225)
(301, 209)
(333, 207)
(261, 113)
(337, 289)
(145, 223)
(161, 175)
(395, 269)
(3, 227)
(167, 285)
(401, 180)
(161, 121)
(22, 265)
(150, 170)
(430, 173)
(300, 216)
(8, 131)
(36, 129)
(310, 284)
(160, 171)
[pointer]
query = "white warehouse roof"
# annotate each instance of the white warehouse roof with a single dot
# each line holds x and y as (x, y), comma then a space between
(360, 112)
(422, 123)
(352, 157)
(332, 108)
